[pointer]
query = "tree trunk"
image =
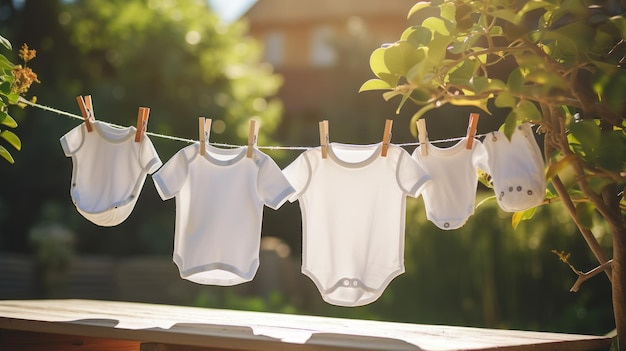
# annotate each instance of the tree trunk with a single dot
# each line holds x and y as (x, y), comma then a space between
(618, 269)
(619, 283)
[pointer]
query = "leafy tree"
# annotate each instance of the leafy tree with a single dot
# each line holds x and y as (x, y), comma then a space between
(555, 63)
(175, 57)
(15, 80)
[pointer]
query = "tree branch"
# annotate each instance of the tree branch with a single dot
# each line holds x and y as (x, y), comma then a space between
(591, 240)
(582, 277)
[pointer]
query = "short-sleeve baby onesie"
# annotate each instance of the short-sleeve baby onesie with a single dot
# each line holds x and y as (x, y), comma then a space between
(353, 217)
(219, 209)
(109, 170)
(517, 169)
(449, 199)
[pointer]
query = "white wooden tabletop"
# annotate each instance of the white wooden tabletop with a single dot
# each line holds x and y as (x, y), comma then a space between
(242, 330)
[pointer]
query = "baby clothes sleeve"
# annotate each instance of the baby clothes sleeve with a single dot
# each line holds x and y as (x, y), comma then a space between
(170, 178)
(148, 156)
(298, 173)
(411, 177)
(274, 188)
(517, 169)
(72, 140)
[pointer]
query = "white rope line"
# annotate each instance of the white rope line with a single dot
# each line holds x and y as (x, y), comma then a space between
(191, 141)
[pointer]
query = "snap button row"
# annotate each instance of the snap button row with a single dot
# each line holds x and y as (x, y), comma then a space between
(347, 282)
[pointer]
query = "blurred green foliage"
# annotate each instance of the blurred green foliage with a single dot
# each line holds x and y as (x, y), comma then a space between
(177, 58)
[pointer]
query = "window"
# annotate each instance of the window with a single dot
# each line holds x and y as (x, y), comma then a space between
(274, 47)
(322, 52)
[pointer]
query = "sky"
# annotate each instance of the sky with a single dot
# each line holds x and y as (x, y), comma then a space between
(230, 10)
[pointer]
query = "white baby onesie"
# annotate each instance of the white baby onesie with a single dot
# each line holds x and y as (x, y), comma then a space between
(219, 210)
(517, 169)
(353, 217)
(109, 170)
(449, 199)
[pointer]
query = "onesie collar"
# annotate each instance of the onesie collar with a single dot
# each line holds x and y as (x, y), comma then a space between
(373, 149)
(224, 157)
(113, 134)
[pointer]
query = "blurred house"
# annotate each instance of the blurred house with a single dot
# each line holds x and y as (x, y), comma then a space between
(322, 50)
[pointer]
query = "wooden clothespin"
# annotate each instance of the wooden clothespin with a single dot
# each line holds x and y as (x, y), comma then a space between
(422, 134)
(386, 137)
(142, 123)
(204, 128)
(324, 139)
(86, 109)
(252, 136)
(471, 129)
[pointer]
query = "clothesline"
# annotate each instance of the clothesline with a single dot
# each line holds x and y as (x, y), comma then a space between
(191, 141)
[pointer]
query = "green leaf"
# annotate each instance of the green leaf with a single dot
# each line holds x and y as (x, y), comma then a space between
(575, 7)
(611, 151)
(5, 88)
(620, 23)
(420, 95)
(522, 216)
(379, 68)
(5, 42)
(527, 110)
(436, 53)
(12, 139)
(597, 184)
(588, 133)
(417, 7)
(7, 120)
(464, 44)
(13, 98)
(507, 15)
(557, 167)
(461, 100)
(510, 123)
(5, 64)
(584, 212)
(505, 99)
(496, 84)
(375, 84)
(580, 34)
(562, 46)
(480, 83)
(533, 5)
(417, 35)
(401, 56)
(436, 24)
(463, 73)
(6, 154)
(496, 31)
(447, 11)
(515, 80)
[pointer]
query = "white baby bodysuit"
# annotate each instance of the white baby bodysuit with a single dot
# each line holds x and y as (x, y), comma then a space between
(109, 170)
(449, 199)
(219, 210)
(353, 217)
(517, 169)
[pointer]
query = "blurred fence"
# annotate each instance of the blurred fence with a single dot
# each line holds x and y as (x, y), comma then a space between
(153, 279)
